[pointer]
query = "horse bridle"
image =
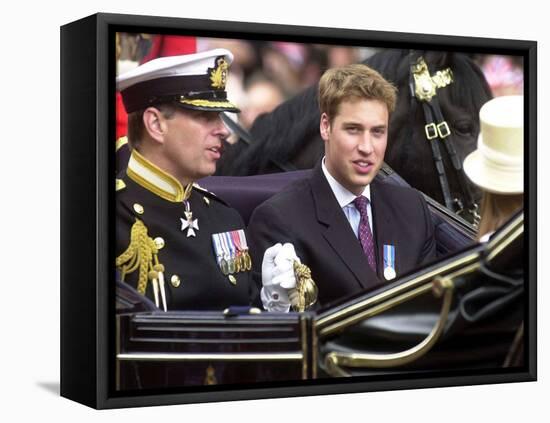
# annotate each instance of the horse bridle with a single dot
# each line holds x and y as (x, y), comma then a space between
(423, 87)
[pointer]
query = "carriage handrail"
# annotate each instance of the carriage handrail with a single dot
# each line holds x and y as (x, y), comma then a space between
(335, 360)
(336, 321)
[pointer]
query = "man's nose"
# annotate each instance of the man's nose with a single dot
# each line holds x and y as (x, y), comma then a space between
(221, 129)
(366, 145)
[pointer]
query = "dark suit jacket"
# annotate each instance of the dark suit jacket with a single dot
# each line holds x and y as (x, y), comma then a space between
(308, 215)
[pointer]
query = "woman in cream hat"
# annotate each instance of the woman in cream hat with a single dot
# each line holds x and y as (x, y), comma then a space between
(497, 168)
(497, 164)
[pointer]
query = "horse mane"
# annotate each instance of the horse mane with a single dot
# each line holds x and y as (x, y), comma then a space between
(276, 136)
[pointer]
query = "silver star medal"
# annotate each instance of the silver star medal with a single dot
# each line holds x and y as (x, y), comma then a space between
(188, 223)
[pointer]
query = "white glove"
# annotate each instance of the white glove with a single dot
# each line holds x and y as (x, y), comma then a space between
(278, 277)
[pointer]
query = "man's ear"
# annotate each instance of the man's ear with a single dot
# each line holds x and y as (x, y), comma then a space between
(324, 126)
(155, 124)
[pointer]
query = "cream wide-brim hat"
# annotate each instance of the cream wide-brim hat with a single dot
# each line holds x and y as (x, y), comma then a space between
(497, 164)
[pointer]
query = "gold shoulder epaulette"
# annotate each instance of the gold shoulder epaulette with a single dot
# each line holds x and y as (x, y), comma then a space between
(120, 185)
(142, 255)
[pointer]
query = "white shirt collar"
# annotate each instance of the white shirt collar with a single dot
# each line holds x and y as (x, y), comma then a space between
(343, 196)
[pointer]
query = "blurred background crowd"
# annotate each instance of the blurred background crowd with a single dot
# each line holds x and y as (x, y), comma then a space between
(266, 73)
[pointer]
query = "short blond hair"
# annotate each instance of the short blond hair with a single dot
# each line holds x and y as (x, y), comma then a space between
(350, 82)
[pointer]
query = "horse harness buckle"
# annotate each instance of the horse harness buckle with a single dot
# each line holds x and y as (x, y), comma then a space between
(423, 87)
(431, 131)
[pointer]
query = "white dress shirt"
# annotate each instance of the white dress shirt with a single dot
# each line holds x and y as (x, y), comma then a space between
(345, 199)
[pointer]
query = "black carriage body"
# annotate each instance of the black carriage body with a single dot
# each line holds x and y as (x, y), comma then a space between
(465, 314)
(177, 349)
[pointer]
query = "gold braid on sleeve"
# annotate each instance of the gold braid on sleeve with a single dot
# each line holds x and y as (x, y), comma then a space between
(306, 287)
(142, 253)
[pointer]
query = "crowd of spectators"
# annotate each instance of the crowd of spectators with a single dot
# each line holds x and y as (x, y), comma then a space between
(266, 73)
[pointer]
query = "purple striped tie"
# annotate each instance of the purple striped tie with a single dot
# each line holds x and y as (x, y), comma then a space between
(365, 234)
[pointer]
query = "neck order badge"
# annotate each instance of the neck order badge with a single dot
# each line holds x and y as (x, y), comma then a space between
(189, 223)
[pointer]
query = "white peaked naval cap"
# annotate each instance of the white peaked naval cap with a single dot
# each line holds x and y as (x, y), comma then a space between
(195, 81)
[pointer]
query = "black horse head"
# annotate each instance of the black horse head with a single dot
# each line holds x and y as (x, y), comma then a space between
(409, 151)
(288, 137)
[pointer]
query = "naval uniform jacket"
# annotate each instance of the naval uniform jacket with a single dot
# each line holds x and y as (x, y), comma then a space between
(193, 278)
(308, 215)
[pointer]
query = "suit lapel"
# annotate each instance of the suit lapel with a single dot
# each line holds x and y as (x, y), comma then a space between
(384, 230)
(338, 232)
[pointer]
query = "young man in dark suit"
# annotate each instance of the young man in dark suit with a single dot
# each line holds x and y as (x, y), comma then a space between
(351, 228)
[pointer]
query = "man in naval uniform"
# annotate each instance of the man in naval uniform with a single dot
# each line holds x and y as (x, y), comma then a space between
(177, 243)
(354, 230)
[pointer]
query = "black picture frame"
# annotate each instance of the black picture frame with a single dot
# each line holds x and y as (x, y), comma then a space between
(87, 198)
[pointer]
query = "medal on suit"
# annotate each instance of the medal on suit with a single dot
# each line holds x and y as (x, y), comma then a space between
(238, 251)
(389, 262)
(230, 248)
(246, 260)
(219, 253)
(225, 250)
(189, 223)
